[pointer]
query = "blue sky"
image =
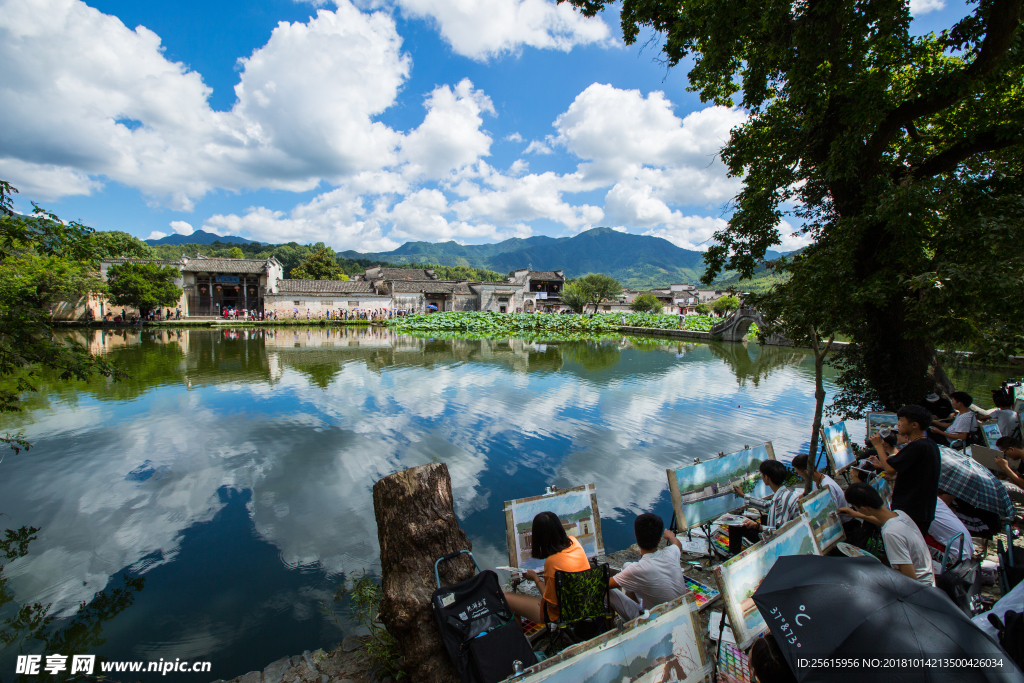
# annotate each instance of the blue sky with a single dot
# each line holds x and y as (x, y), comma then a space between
(362, 124)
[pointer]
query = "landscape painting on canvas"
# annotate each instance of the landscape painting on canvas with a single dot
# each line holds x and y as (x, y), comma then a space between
(668, 646)
(821, 511)
(575, 507)
(837, 445)
(739, 576)
(704, 491)
(876, 421)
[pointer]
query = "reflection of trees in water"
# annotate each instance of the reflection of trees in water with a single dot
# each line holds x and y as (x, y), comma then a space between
(592, 355)
(758, 365)
(32, 629)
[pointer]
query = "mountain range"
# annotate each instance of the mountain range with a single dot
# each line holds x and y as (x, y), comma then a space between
(199, 237)
(637, 261)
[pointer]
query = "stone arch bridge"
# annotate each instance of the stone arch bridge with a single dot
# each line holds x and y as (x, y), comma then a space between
(735, 327)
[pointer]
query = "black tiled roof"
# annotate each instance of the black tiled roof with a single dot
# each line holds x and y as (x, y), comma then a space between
(405, 274)
(323, 287)
(545, 275)
(226, 265)
(430, 287)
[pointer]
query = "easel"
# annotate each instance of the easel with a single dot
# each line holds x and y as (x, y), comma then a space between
(706, 527)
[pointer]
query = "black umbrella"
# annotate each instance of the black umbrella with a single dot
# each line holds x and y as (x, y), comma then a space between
(855, 619)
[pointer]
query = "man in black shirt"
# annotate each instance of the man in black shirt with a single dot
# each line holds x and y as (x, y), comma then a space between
(917, 467)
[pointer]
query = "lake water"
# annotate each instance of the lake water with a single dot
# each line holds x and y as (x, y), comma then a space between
(233, 470)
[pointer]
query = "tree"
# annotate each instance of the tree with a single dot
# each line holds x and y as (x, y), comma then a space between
(703, 309)
(38, 243)
(725, 304)
(416, 524)
(598, 287)
(646, 303)
(575, 297)
(319, 264)
(144, 286)
(235, 252)
(901, 155)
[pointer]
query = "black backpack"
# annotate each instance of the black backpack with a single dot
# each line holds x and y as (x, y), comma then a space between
(1011, 634)
(962, 581)
(480, 632)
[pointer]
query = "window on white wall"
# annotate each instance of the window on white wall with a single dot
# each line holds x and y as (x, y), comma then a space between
(327, 303)
(353, 304)
(297, 303)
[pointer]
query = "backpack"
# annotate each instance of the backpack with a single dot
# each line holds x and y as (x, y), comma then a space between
(962, 581)
(482, 635)
(974, 437)
(1011, 634)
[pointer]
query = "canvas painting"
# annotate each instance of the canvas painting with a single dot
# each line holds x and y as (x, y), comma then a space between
(876, 421)
(884, 488)
(704, 491)
(837, 445)
(739, 576)
(991, 432)
(823, 516)
(666, 647)
(575, 507)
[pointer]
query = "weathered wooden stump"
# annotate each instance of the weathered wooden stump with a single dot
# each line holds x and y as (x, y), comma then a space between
(416, 524)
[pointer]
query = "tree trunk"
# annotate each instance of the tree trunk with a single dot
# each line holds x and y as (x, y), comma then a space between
(416, 525)
(819, 403)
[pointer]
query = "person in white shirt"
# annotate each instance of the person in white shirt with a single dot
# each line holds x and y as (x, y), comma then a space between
(963, 424)
(656, 577)
(945, 526)
(904, 545)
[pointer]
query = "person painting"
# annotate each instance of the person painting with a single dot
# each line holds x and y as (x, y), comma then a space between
(819, 480)
(917, 486)
(656, 578)
(904, 543)
(962, 425)
(784, 506)
(560, 552)
(1012, 451)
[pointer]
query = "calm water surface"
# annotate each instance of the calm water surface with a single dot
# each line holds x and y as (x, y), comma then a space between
(233, 470)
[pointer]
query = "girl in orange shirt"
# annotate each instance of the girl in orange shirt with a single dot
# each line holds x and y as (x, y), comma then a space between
(560, 552)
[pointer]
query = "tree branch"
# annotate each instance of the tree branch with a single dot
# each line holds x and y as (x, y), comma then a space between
(986, 141)
(1003, 22)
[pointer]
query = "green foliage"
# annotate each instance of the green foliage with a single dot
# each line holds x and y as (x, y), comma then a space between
(41, 259)
(364, 598)
(646, 303)
(144, 286)
(900, 153)
(235, 252)
(319, 265)
(703, 309)
(598, 287)
(575, 296)
(725, 304)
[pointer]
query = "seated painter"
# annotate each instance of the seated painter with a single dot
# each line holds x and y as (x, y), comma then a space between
(782, 508)
(560, 552)
(904, 544)
(656, 577)
(821, 480)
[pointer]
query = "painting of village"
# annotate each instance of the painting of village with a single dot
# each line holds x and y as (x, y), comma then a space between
(575, 507)
(876, 421)
(666, 647)
(837, 443)
(739, 577)
(704, 491)
(823, 516)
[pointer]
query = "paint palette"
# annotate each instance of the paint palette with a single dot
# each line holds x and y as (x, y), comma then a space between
(529, 627)
(703, 595)
(720, 540)
(734, 663)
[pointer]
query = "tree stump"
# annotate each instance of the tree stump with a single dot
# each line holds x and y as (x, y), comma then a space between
(416, 525)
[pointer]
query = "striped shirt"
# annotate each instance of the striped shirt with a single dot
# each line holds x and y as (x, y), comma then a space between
(784, 508)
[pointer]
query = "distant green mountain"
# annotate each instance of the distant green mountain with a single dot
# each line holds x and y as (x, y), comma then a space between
(637, 261)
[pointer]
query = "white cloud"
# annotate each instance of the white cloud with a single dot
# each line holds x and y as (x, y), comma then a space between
(156, 235)
(481, 29)
(538, 147)
(102, 100)
(449, 138)
(919, 7)
(514, 137)
(182, 228)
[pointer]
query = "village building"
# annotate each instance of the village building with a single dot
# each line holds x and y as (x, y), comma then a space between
(542, 289)
(214, 284)
(317, 298)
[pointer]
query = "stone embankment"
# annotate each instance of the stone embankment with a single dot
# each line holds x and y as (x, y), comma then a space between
(347, 663)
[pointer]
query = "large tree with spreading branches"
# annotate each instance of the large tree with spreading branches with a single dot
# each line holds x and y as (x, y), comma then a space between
(898, 154)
